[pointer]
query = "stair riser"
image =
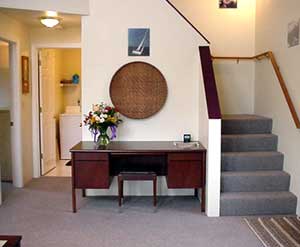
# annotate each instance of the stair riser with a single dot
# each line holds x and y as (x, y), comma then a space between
(270, 206)
(260, 126)
(249, 144)
(252, 163)
(255, 183)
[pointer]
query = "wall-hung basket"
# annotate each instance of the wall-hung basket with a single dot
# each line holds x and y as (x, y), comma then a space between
(138, 90)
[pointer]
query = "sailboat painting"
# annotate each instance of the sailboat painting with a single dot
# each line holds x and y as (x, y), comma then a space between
(138, 42)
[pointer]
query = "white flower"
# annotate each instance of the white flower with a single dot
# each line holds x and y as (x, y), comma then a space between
(102, 115)
(97, 119)
(102, 120)
(96, 108)
(105, 116)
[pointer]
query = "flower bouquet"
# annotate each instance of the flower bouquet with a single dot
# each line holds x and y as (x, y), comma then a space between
(99, 120)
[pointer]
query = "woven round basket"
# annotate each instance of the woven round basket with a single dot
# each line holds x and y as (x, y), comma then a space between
(138, 90)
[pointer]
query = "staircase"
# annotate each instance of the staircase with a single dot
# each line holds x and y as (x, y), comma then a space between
(253, 181)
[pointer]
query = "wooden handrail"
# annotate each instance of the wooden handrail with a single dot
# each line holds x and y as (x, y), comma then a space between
(282, 83)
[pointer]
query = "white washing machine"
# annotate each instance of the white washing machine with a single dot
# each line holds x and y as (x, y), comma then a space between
(70, 133)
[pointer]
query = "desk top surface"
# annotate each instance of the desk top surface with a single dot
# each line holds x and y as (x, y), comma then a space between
(135, 146)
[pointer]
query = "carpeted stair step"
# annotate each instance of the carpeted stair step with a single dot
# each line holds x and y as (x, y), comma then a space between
(249, 143)
(258, 203)
(246, 124)
(252, 161)
(255, 181)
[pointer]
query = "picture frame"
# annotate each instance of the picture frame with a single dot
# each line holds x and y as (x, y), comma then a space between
(139, 42)
(25, 74)
(293, 33)
(228, 4)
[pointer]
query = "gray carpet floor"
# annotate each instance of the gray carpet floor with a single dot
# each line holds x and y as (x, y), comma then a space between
(41, 212)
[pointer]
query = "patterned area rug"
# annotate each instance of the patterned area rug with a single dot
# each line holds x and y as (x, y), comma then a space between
(276, 232)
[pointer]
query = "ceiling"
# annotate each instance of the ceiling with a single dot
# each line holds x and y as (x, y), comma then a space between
(31, 18)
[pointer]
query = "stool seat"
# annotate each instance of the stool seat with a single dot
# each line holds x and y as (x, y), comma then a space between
(136, 176)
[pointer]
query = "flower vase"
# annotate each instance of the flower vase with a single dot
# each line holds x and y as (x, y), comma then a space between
(103, 139)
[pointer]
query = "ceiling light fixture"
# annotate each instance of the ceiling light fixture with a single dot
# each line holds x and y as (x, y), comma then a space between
(49, 21)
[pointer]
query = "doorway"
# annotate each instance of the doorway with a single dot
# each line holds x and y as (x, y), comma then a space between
(10, 117)
(59, 108)
(5, 114)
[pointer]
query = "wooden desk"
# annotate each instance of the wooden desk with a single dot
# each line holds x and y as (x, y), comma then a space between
(12, 241)
(94, 168)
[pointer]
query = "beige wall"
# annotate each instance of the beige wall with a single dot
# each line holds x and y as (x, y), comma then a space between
(71, 65)
(5, 93)
(15, 31)
(231, 32)
(272, 20)
(54, 36)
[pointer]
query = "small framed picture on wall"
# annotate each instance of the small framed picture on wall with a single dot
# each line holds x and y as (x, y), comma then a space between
(25, 74)
(138, 42)
(227, 4)
(293, 33)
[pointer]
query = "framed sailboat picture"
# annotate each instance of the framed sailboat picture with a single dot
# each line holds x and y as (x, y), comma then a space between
(138, 42)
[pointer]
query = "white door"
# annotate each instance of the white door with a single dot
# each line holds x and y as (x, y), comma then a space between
(47, 113)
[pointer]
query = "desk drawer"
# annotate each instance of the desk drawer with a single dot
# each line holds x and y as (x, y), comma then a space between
(185, 170)
(185, 156)
(91, 174)
(184, 174)
(91, 156)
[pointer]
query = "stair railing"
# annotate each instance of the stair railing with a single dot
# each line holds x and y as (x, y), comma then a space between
(269, 55)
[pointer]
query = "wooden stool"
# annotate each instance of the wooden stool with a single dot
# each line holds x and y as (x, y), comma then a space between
(136, 176)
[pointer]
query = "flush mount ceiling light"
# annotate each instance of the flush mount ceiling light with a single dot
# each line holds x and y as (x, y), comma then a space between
(49, 21)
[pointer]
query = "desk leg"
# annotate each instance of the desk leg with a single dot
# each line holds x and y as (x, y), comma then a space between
(73, 186)
(203, 192)
(120, 192)
(74, 200)
(196, 192)
(155, 191)
(203, 199)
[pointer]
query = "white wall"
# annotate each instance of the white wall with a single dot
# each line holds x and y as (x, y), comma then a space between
(66, 6)
(5, 100)
(17, 33)
(231, 33)
(272, 19)
(174, 51)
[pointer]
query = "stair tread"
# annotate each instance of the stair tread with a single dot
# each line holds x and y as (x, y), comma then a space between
(257, 203)
(243, 117)
(254, 173)
(257, 195)
(252, 154)
(248, 135)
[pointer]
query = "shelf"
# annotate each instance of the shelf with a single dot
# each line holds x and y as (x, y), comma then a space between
(68, 83)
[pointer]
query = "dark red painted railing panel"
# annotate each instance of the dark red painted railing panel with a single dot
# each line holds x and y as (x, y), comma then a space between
(211, 92)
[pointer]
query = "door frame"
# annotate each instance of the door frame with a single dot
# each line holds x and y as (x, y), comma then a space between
(36, 150)
(15, 111)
